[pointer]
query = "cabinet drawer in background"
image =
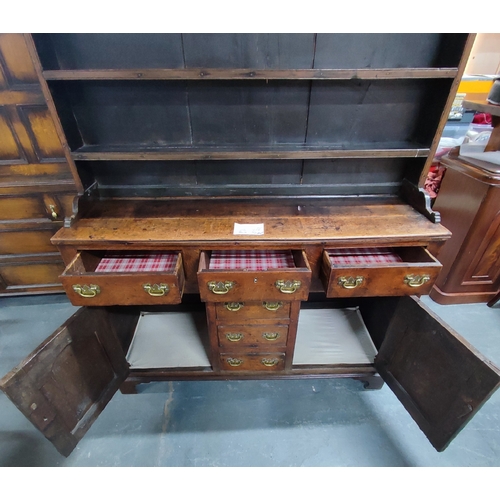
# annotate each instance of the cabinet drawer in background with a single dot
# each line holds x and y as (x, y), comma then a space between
(35, 206)
(365, 272)
(29, 240)
(238, 282)
(260, 337)
(31, 274)
(237, 312)
(124, 278)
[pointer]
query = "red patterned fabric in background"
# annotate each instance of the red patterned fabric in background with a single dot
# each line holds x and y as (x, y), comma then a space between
(348, 256)
(482, 119)
(434, 178)
(254, 260)
(118, 262)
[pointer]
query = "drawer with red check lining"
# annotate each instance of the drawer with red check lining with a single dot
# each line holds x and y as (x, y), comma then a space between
(380, 271)
(258, 275)
(124, 278)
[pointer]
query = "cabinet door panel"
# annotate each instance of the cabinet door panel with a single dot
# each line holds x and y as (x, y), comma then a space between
(64, 384)
(441, 379)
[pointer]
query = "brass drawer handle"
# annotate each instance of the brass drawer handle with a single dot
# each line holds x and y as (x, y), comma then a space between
(234, 361)
(87, 291)
(269, 361)
(234, 337)
(220, 287)
(288, 286)
(156, 290)
(416, 281)
(53, 212)
(271, 336)
(233, 306)
(272, 306)
(350, 282)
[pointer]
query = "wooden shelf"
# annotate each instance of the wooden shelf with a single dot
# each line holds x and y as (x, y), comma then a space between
(241, 153)
(482, 105)
(250, 74)
(125, 223)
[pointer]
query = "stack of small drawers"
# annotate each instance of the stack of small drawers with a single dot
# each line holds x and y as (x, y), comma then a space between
(253, 303)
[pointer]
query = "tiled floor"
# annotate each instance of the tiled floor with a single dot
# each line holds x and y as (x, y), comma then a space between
(246, 423)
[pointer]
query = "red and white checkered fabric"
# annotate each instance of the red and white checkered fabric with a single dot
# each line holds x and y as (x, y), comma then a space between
(119, 262)
(349, 256)
(254, 260)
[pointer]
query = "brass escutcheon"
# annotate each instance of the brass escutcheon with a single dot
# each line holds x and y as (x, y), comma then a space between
(269, 361)
(288, 286)
(234, 361)
(416, 281)
(271, 336)
(350, 282)
(156, 290)
(220, 287)
(87, 291)
(234, 337)
(272, 306)
(233, 306)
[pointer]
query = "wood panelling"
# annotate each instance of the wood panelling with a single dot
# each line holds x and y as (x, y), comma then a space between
(28, 241)
(15, 61)
(40, 126)
(31, 275)
(36, 184)
(10, 150)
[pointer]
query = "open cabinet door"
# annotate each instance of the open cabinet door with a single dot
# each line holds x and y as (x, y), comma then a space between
(64, 384)
(438, 376)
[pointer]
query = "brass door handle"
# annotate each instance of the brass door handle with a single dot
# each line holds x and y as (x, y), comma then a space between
(233, 306)
(416, 281)
(288, 286)
(156, 290)
(220, 287)
(234, 361)
(350, 282)
(234, 337)
(272, 306)
(271, 336)
(87, 291)
(269, 361)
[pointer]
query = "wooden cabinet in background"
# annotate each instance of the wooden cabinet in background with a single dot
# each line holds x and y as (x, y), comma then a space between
(37, 187)
(469, 203)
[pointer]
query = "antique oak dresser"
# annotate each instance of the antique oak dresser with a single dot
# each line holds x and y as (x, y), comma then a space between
(250, 209)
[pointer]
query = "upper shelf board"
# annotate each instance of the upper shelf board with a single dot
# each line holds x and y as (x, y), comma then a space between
(250, 74)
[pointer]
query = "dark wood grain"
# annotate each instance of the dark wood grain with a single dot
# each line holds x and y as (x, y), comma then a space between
(441, 379)
(67, 381)
(250, 74)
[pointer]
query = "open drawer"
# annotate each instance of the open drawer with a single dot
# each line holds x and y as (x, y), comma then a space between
(370, 272)
(242, 275)
(124, 278)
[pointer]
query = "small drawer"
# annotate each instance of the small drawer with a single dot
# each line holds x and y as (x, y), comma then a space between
(264, 362)
(119, 278)
(370, 272)
(233, 337)
(244, 279)
(236, 312)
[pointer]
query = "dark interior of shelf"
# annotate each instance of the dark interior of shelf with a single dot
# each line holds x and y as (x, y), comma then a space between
(258, 51)
(343, 176)
(212, 113)
(130, 117)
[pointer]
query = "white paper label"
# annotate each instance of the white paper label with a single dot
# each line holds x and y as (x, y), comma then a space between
(253, 229)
